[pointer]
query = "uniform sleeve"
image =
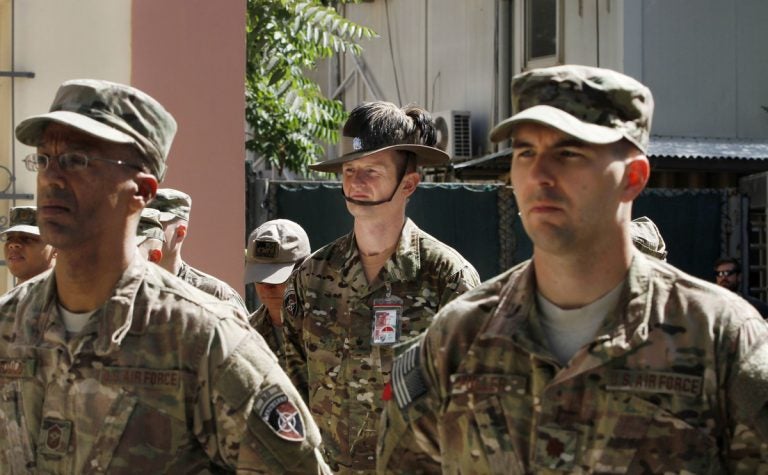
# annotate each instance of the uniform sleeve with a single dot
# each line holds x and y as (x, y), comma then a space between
(293, 315)
(408, 438)
(458, 283)
(747, 363)
(249, 417)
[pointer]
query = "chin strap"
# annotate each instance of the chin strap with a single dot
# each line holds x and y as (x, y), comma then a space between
(400, 177)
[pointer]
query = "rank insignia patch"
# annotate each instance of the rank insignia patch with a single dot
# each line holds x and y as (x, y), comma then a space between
(274, 408)
(54, 436)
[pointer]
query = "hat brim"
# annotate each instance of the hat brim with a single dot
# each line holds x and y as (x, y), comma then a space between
(267, 273)
(560, 120)
(22, 228)
(426, 156)
(30, 130)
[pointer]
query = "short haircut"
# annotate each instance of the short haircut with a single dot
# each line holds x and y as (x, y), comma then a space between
(729, 260)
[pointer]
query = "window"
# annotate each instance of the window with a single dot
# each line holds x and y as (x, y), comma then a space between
(542, 32)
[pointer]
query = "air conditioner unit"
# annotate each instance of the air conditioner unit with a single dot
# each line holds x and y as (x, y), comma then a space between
(454, 133)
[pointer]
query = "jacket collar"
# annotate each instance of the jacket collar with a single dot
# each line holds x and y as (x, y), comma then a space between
(37, 311)
(514, 318)
(404, 265)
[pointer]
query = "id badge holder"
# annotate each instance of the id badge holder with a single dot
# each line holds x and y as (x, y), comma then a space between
(387, 317)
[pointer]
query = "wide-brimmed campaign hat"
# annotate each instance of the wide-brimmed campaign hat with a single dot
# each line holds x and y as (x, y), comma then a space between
(366, 134)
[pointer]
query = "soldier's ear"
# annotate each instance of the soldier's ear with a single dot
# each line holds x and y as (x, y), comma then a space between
(146, 187)
(155, 255)
(637, 174)
(181, 231)
(410, 182)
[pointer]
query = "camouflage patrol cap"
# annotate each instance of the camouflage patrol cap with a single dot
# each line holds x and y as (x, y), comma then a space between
(172, 204)
(647, 238)
(112, 112)
(596, 105)
(273, 249)
(377, 126)
(150, 226)
(23, 220)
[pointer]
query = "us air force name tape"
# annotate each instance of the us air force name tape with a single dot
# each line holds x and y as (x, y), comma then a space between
(408, 382)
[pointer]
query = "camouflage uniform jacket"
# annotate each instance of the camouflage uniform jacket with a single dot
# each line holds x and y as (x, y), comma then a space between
(274, 336)
(162, 379)
(676, 381)
(342, 373)
(210, 285)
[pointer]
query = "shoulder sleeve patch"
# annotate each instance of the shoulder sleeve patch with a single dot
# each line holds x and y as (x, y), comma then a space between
(408, 382)
(280, 414)
(290, 302)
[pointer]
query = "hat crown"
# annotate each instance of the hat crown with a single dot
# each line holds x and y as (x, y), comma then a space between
(593, 95)
(132, 115)
(23, 215)
(171, 204)
(277, 241)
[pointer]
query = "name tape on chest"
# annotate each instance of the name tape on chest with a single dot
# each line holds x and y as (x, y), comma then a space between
(17, 368)
(408, 382)
(654, 382)
(145, 377)
(280, 414)
(488, 383)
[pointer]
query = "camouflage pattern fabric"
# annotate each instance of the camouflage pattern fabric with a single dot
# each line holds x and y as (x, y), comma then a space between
(585, 94)
(275, 337)
(329, 311)
(210, 285)
(674, 382)
(162, 379)
(113, 112)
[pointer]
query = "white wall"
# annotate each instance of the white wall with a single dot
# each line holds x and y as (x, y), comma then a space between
(60, 40)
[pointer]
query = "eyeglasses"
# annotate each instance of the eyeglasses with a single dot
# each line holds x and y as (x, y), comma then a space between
(69, 162)
(725, 273)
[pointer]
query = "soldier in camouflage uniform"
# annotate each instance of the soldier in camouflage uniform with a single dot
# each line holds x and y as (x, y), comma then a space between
(110, 364)
(352, 300)
(274, 250)
(590, 357)
(150, 236)
(175, 207)
(25, 254)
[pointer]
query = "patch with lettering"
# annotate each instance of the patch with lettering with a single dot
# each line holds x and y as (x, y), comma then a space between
(290, 302)
(654, 382)
(280, 414)
(267, 249)
(408, 382)
(18, 368)
(487, 383)
(54, 436)
(113, 375)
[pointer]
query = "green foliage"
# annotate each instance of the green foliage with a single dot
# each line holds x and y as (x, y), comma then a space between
(288, 112)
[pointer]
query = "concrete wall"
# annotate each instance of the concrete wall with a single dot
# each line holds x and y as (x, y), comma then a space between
(61, 40)
(443, 54)
(706, 62)
(189, 54)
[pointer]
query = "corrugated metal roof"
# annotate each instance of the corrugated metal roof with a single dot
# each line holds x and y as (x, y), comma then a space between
(665, 146)
(694, 147)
